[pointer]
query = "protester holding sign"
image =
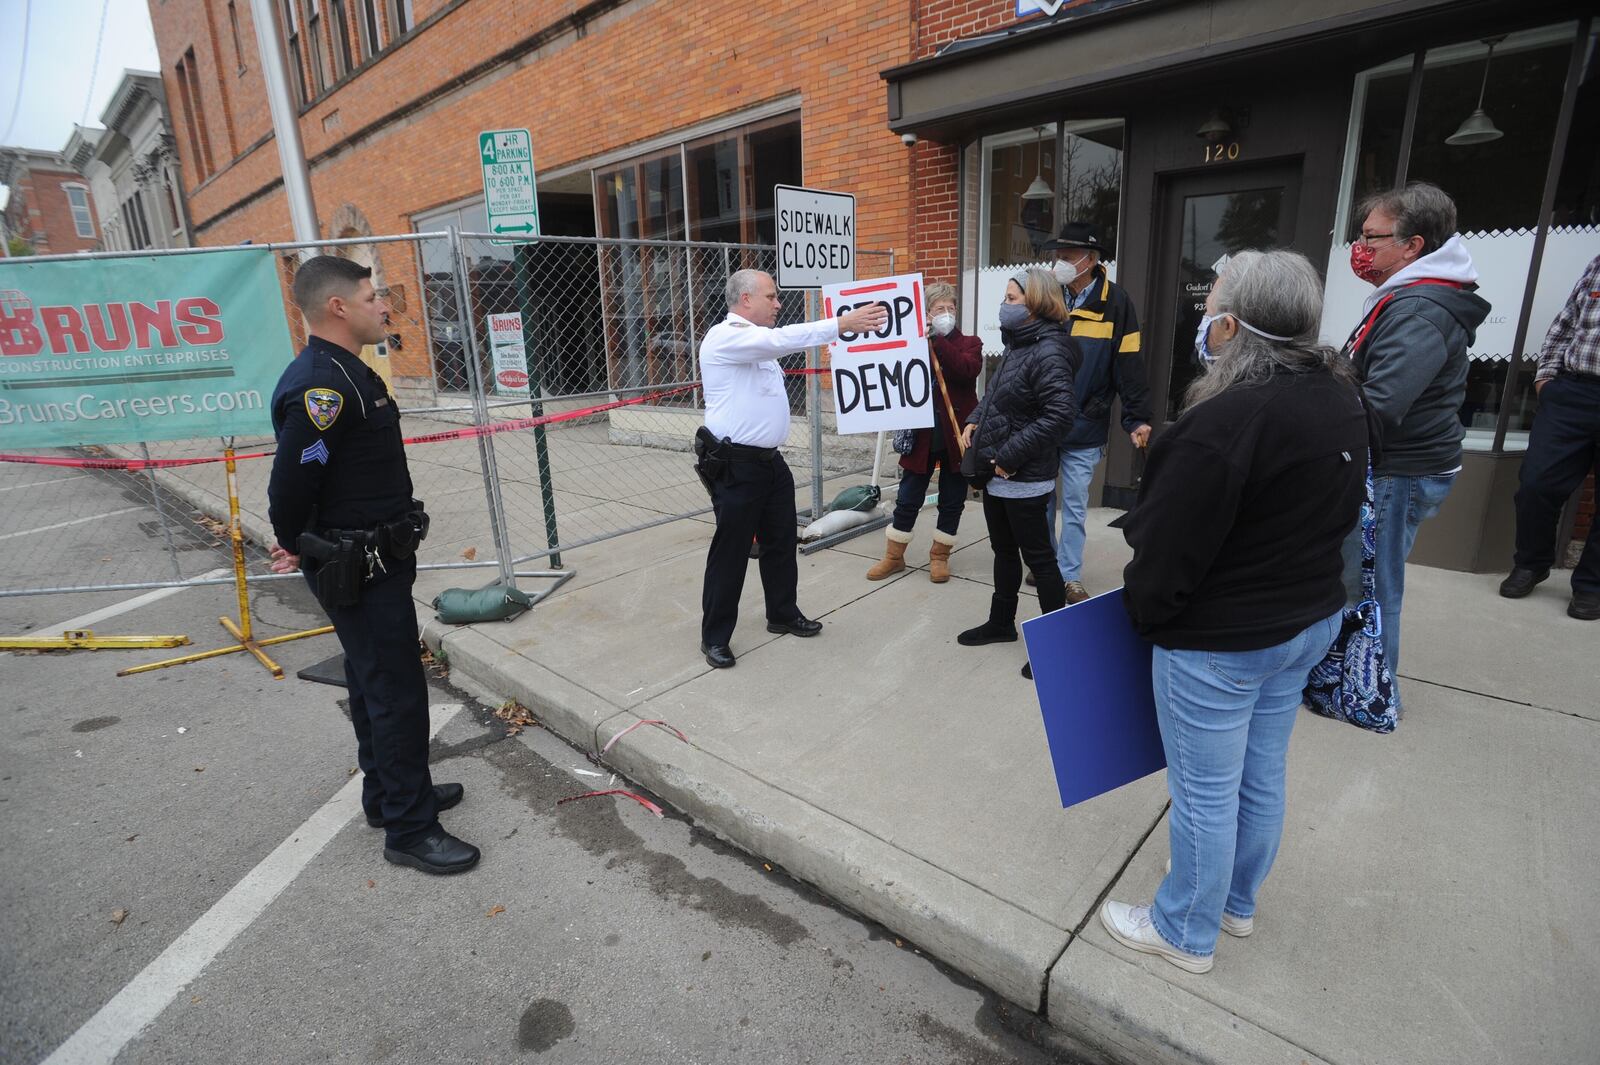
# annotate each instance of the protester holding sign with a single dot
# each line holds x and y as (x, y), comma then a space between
(958, 360)
(1236, 580)
(1013, 440)
(752, 490)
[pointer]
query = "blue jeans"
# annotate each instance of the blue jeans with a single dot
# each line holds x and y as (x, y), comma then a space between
(914, 490)
(1077, 470)
(1225, 720)
(1401, 504)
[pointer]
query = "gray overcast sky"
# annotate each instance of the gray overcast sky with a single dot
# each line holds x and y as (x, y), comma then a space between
(60, 63)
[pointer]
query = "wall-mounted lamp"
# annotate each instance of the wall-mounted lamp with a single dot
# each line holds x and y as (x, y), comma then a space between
(1038, 190)
(1478, 128)
(1215, 128)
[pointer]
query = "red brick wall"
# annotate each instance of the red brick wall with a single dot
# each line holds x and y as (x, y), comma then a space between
(580, 95)
(45, 220)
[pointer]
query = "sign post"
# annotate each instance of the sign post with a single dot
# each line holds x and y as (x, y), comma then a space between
(816, 247)
(510, 189)
(882, 380)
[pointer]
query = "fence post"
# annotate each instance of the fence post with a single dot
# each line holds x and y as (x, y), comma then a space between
(480, 412)
(161, 513)
(530, 346)
(814, 405)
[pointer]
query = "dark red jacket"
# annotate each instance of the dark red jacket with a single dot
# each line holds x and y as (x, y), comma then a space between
(961, 361)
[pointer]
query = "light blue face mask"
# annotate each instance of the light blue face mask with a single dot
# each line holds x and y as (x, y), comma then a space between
(1202, 344)
(1013, 315)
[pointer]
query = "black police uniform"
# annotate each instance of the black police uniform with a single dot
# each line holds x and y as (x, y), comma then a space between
(341, 468)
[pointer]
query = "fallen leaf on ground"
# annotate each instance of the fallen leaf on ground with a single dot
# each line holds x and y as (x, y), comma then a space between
(470, 553)
(131, 838)
(118, 916)
(706, 956)
(352, 771)
(372, 883)
(199, 769)
(898, 943)
(516, 716)
(767, 867)
(496, 909)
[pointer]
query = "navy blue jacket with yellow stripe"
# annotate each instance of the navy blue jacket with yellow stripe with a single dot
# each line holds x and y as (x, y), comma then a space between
(1106, 329)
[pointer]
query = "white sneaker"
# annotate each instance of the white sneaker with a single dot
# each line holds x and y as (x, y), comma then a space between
(1237, 927)
(1130, 926)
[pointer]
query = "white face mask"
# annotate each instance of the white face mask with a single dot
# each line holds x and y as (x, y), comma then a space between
(1065, 271)
(943, 324)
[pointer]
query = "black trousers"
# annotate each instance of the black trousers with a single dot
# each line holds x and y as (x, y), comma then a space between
(1562, 449)
(388, 702)
(1018, 533)
(752, 499)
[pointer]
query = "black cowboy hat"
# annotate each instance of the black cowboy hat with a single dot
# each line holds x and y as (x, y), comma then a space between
(1077, 235)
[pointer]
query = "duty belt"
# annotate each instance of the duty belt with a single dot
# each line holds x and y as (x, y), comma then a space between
(397, 539)
(746, 453)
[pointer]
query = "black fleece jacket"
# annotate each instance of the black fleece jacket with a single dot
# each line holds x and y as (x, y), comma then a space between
(1245, 502)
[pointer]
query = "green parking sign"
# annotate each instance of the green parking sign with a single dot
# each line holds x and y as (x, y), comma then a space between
(510, 189)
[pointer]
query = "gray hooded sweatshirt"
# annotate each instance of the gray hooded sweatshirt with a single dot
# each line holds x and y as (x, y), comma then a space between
(1413, 361)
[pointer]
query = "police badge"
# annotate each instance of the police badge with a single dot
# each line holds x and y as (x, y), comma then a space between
(323, 406)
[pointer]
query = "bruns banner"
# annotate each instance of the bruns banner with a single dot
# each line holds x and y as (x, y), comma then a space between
(144, 348)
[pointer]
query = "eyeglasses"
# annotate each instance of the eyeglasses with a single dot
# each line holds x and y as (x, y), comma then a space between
(1368, 238)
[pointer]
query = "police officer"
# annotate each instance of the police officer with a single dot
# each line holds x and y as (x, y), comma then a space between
(752, 490)
(341, 496)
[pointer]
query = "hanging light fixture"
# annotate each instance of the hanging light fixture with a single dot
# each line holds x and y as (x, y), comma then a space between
(1478, 128)
(1039, 190)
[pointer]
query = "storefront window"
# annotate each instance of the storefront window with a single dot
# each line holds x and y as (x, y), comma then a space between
(1497, 186)
(1080, 163)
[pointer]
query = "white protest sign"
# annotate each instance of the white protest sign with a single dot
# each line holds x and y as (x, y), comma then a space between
(510, 356)
(816, 236)
(882, 380)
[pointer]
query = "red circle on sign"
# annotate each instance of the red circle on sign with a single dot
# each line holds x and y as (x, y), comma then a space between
(512, 378)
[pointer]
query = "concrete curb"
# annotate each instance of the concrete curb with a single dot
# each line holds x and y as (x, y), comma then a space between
(1122, 1011)
(994, 942)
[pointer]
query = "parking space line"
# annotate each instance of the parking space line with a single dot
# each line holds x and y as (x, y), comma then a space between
(97, 616)
(36, 484)
(74, 521)
(132, 1009)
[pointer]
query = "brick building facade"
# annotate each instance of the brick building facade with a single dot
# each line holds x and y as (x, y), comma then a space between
(50, 205)
(394, 93)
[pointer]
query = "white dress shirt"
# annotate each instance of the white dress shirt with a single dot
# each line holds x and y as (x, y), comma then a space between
(745, 397)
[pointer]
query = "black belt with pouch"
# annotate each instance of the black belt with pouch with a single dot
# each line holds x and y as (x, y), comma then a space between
(347, 558)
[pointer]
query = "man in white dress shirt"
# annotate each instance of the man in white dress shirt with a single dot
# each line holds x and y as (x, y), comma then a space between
(752, 491)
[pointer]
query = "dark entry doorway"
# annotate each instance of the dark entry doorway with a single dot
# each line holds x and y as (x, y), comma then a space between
(1206, 216)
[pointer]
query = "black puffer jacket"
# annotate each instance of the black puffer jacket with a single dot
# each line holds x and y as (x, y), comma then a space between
(1027, 409)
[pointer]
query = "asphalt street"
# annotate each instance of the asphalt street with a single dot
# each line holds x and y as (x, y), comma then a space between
(591, 932)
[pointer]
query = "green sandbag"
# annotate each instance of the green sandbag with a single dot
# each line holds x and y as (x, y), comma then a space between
(493, 602)
(862, 497)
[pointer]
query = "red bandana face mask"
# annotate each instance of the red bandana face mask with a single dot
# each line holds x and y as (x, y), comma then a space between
(1361, 263)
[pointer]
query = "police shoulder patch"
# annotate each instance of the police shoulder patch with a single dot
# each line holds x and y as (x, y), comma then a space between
(323, 406)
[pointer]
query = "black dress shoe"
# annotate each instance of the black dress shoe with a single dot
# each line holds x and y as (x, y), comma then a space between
(718, 656)
(1521, 581)
(438, 852)
(799, 625)
(444, 797)
(1584, 607)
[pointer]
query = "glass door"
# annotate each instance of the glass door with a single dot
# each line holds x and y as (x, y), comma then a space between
(1206, 217)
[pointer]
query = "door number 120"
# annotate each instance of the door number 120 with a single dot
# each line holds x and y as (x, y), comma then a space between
(1216, 153)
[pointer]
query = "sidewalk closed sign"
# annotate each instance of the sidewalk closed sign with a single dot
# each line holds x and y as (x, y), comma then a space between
(510, 355)
(882, 380)
(816, 237)
(509, 188)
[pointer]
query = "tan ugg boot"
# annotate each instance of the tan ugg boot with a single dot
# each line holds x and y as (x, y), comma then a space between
(939, 557)
(894, 554)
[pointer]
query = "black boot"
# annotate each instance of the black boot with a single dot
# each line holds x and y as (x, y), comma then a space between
(1521, 581)
(1000, 628)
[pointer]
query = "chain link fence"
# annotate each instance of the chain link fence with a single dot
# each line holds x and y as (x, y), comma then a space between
(552, 383)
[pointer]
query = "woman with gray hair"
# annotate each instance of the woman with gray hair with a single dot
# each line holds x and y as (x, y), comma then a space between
(1236, 580)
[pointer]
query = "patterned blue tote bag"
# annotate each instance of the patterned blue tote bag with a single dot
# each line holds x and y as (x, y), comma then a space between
(1353, 682)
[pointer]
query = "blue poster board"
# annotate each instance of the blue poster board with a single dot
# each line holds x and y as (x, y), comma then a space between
(1092, 675)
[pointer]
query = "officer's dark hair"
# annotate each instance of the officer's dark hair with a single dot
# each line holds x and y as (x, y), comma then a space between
(322, 276)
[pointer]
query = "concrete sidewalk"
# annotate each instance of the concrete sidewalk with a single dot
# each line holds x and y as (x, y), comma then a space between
(1433, 901)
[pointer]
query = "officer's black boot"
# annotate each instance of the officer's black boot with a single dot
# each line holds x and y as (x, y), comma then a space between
(437, 852)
